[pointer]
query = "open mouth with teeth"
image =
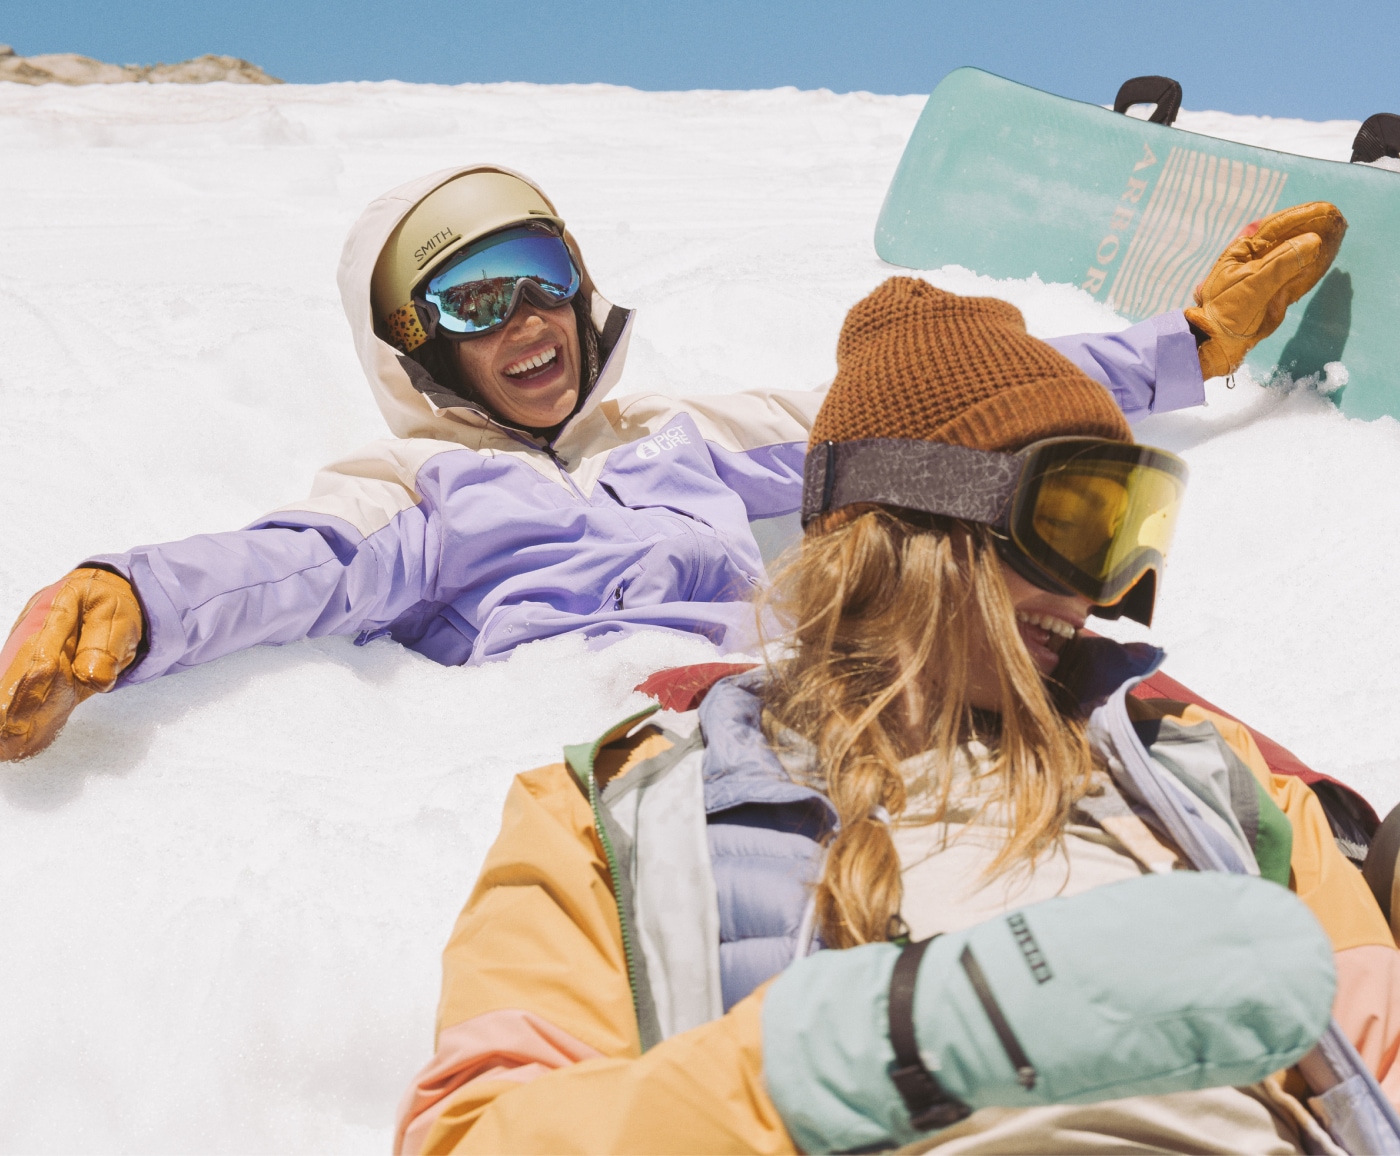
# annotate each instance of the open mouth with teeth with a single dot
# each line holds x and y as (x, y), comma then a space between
(534, 366)
(1045, 636)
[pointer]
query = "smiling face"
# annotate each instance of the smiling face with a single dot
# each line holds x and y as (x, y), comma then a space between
(527, 371)
(1045, 621)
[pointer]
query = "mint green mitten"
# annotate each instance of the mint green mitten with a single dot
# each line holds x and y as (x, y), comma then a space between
(1165, 983)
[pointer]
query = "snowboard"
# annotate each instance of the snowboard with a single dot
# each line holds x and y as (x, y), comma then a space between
(1010, 181)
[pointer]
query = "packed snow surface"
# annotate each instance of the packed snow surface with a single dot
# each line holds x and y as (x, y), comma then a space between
(223, 895)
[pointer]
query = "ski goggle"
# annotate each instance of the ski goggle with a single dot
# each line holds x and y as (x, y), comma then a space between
(1087, 516)
(479, 288)
(1096, 516)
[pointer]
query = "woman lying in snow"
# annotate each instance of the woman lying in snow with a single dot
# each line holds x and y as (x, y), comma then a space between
(517, 499)
(940, 754)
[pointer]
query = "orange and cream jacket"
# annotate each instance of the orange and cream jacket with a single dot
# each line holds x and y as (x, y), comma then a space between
(584, 1006)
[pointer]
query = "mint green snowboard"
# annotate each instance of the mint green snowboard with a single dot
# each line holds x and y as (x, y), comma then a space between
(1009, 181)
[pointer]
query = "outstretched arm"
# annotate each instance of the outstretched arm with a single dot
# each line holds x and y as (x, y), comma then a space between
(360, 552)
(286, 578)
(1160, 364)
(1151, 367)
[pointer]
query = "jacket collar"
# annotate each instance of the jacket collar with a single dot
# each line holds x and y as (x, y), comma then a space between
(739, 766)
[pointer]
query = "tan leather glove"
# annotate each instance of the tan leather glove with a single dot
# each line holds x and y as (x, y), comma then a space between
(1271, 264)
(72, 640)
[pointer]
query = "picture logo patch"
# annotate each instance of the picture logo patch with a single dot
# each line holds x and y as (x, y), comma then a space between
(667, 439)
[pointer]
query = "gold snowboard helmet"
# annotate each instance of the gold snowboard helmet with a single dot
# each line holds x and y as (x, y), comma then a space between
(460, 211)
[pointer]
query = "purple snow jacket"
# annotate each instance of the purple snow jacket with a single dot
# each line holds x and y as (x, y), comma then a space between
(461, 538)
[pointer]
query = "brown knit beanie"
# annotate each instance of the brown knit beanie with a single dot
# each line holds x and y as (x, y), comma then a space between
(916, 362)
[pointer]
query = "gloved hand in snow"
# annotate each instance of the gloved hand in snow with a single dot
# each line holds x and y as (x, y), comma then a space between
(1165, 983)
(1269, 266)
(72, 640)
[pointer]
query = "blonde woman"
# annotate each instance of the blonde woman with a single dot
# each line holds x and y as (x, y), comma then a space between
(1005, 912)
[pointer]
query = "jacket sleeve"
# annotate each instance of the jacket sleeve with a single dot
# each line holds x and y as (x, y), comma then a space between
(758, 439)
(1367, 1006)
(1151, 367)
(359, 552)
(537, 1043)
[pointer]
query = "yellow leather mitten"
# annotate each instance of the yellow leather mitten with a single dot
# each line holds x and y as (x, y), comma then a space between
(72, 640)
(1271, 264)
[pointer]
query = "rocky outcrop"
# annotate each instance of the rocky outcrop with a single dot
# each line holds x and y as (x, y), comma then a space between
(70, 68)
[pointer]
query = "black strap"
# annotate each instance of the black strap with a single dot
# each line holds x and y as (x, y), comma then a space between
(1160, 91)
(1379, 136)
(1025, 1070)
(929, 1105)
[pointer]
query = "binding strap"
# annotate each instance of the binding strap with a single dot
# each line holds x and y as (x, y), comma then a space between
(1379, 136)
(929, 1105)
(1162, 92)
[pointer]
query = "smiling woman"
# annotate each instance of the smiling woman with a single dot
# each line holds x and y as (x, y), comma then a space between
(517, 501)
(490, 314)
(830, 900)
(527, 371)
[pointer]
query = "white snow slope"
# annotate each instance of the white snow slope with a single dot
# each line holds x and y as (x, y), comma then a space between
(222, 896)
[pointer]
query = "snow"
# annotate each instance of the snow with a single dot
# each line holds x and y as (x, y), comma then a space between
(223, 895)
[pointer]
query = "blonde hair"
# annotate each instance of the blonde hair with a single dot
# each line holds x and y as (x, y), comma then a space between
(884, 610)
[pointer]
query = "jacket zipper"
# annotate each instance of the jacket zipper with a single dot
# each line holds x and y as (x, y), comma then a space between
(627, 949)
(564, 473)
(595, 804)
(550, 453)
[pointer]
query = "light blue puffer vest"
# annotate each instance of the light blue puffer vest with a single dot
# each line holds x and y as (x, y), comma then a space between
(766, 832)
(765, 835)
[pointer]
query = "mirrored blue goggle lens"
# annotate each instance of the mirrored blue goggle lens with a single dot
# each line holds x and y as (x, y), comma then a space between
(478, 290)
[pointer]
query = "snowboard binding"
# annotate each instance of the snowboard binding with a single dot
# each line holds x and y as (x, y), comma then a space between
(1379, 136)
(1162, 92)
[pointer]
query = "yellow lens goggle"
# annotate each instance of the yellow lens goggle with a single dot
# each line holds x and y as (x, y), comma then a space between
(1096, 515)
(1077, 515)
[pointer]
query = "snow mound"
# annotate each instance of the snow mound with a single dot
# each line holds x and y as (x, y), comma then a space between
(224, 895)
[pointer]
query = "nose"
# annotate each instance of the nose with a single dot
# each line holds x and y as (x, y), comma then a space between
(525, 322)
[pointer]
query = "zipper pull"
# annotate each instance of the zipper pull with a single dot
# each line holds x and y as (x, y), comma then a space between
(617, 598)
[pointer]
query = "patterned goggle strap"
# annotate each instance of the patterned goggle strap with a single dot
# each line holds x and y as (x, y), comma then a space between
(406, 332)
(972, 485)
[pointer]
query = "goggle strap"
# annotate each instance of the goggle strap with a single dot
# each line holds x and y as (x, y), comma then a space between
(406, 330)
(957, 482)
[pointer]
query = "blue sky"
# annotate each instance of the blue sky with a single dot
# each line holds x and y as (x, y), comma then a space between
(1338, 58)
